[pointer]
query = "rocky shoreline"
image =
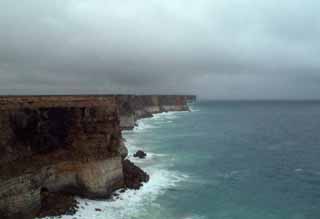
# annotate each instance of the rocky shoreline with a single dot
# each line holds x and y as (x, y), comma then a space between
(59, 203)
(57, 147)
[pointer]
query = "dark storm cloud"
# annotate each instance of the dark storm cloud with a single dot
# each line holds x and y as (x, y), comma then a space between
(217, 49)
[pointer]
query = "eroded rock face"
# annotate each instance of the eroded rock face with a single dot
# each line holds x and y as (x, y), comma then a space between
(57, 203)
(134, 107)
(65, 144)
(43, 129)
(69, 145)
(123, 150)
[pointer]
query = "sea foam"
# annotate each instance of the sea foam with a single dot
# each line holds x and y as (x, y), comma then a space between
(132, 203)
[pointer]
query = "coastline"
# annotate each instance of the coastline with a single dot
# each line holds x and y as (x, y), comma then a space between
(76, 143)
(121, 205)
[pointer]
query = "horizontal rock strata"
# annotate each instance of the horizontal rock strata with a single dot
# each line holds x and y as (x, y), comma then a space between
(67, 145)
(132, 107)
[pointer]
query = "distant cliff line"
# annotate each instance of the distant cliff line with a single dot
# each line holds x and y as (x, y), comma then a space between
(68, 143)
(94, 95)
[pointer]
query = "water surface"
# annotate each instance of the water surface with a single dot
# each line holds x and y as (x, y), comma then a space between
(225, 160)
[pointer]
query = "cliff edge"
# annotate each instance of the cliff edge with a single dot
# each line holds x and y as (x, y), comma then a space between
(134, 107)
(70, 144)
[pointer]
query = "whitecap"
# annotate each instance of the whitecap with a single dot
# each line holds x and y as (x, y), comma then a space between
(142, 126)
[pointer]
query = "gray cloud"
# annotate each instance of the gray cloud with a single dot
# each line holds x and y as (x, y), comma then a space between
(216, 49)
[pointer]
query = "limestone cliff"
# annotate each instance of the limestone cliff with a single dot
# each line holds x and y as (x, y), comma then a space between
(66, 143)
(134, 107)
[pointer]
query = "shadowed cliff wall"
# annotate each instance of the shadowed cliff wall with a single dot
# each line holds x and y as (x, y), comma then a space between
(67, 143)
(61, 143)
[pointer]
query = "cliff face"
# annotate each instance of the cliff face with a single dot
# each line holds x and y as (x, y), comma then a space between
(66, 143)
(58, 143)
(132, 107)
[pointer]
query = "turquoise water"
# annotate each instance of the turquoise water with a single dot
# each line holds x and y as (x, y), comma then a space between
(226, 160)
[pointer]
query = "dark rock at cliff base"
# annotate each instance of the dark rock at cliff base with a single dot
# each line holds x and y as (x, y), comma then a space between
(141, 154)
(56, 204)
(122, 190)
(133, 175)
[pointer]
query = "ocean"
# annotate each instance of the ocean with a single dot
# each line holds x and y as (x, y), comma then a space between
(224, 160)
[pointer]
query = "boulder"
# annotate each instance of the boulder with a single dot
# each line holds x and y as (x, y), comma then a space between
(140, 154)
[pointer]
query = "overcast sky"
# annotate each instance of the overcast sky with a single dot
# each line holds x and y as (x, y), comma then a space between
(221, 49)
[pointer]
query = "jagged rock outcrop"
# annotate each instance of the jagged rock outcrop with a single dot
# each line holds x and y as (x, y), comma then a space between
(133, 175)
(68, 144)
